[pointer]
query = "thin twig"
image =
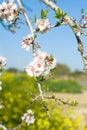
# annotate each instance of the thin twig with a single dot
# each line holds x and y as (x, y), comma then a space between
(4, 128)
(83, 32)
(73, 103)
(40, 90)
(28, 23)
(35, 99)
(60, 100)
(26, 17)
(18, 126)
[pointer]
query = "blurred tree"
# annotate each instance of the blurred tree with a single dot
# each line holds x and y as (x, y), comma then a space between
(14, 70)
(62, 69)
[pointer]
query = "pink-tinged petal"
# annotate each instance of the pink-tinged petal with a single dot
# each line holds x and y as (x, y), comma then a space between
(27, 41)
(43, 25)
(27, 48)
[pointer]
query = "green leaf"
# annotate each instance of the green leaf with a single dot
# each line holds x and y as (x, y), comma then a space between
(74, 26)
(64, 14)
(59, 14)
(82, 11)
(44, 13)
(51, 57)
(35, 19)
(18, 27)
(74, 103)
(35, 36)
(40, 78)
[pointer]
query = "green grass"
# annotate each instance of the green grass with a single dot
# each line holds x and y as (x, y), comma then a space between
(64, 86)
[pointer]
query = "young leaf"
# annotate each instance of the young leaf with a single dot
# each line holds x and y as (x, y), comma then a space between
(59, 14)
(44, 13)
(82, 11)
(35, 19)
(35, 36)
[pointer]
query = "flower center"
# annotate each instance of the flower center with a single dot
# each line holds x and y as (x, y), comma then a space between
(42, 23)
(38, 65)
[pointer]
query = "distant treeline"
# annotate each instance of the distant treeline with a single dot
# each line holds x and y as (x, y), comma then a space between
(60, 70)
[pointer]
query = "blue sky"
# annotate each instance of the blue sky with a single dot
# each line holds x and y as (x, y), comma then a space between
(60, 41)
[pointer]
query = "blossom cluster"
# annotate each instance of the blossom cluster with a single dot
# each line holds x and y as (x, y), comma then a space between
(8, 11)
(28, 117)
(42, 25)
(41, 64)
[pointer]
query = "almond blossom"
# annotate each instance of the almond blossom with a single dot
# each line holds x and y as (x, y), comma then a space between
(8, 11)
(0, 86)
(2, 62)
(43, 25)
(28, 117)
(35, 68)
(1, 106)
(41, 64)
(41, 55)
(51, 62)
(84, 18)
(27, 41)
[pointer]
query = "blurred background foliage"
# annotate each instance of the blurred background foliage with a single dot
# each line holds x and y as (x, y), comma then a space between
(18, 91)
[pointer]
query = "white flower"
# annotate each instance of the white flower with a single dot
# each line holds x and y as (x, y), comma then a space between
(78, 34)
(39, 68)
(0, 88)
(30, 70)
(28, 117)
(8, 11)
(12, 13)
(4, 5)
(51, 63)
(2, 62)
(35, 68)
(41, 64)
(0, 85)
(11, 1)
(42, 25)
(84, 19)
(41, 55)
(77, 31)
(27, 41)
(1, 106)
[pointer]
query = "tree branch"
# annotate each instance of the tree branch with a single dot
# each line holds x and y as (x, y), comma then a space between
(50, 4)
(3, 127)
(18, 126)
(26, 17)
(75, 26)
(73, 103)
(59, 100)
(83, 54)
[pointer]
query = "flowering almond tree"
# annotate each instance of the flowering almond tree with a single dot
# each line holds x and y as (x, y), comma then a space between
(42, 63)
